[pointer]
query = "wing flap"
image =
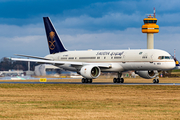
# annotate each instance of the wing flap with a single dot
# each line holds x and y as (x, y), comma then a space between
(101, 65)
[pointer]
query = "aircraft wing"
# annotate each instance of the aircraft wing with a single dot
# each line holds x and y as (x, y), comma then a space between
(32, 57)
(47, 61)
(73, 64)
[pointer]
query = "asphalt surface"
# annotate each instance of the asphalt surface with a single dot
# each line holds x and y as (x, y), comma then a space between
(23, 81)
(95, 83)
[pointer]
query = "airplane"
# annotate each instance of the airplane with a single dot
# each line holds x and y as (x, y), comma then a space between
(177, 64)
(89, 64)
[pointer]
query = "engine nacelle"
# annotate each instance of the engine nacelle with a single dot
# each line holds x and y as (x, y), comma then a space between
(146, 74)
(90, 71)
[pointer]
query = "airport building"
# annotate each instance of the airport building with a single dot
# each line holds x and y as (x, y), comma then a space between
(12, 73)
(150, 27)
(46, 69)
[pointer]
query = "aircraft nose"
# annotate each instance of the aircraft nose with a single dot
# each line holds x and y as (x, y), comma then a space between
(170, 65)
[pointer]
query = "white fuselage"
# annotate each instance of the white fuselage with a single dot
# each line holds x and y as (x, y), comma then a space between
(120, 60)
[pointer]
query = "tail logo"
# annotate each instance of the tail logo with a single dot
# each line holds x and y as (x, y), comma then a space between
(177, 63)
(51, 40)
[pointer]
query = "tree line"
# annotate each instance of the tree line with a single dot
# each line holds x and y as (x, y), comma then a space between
(7, 64)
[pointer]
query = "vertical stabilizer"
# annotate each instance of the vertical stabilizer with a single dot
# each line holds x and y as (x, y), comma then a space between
(54, 42)
(177, 62)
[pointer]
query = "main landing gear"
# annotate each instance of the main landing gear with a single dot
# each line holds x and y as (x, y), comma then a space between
(85, 80)
(119, 79)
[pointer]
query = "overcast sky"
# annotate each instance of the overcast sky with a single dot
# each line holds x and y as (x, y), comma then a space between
(86, 24)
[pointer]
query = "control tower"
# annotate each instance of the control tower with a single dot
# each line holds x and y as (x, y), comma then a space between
(150, 28)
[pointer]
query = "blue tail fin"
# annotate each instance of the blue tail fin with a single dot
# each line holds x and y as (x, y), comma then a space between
(54, 42)
(177, 62)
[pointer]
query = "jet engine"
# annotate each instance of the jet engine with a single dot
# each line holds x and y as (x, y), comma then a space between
(90, 71)
(146, 74)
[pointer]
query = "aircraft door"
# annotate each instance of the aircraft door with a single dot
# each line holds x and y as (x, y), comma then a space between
(152, 57)
(123, 59)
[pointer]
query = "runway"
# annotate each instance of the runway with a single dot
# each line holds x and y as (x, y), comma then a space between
(32, 80)
(95, 83)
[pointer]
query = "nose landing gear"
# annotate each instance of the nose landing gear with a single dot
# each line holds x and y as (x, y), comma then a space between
(156, 80)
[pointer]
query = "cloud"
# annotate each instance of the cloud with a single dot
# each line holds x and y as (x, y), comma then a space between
(14, 30)
(129, 38)
(30, 45)
(27, 39)
(167, 6)
(31, 39)
(90, 24)
(104, 12)
(169, 19)
(109, 22)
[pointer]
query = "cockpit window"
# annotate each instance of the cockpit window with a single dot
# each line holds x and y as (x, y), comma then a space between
(160, 57)
(164, 57)
(167, 57)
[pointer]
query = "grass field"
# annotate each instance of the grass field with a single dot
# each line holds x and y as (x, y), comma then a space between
(86, 102)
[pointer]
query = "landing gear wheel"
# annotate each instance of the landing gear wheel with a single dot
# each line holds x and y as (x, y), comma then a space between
(122, 80)
(86, 80)
(156, 81)
(90, 80)
(83, 80)
(118, 80)
(115, 80)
